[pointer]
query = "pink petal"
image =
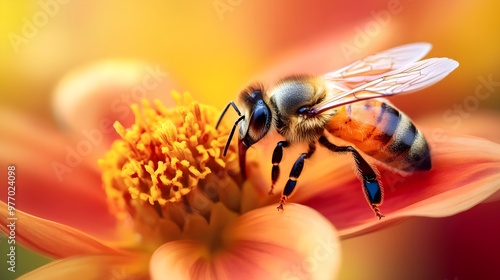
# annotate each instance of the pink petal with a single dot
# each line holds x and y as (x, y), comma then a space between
(262, 244)
(52, 179)
(49, 238)
(89, 100)
(465, 172)
(90, 267)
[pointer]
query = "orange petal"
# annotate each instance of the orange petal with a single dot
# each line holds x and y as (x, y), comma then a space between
(49, 238)
(53, 180)
(477, 123)
(319, 172)
(261, 244)
(91, 267)
(91, 99)
(465, 172)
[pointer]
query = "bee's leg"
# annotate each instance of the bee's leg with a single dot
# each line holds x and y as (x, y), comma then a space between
(277, 156)
(371, 186)
(294, 175)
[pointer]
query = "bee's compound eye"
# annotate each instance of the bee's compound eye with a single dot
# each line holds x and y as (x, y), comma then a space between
(258, 124)
(260, 117)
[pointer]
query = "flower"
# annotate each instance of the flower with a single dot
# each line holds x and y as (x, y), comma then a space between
(179, 209)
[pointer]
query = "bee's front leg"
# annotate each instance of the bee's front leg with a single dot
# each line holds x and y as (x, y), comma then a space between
(294, 175)
(277, 156)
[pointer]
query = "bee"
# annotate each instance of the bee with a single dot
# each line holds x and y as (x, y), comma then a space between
(348, 104)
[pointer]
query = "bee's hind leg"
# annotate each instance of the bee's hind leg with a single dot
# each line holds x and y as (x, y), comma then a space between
(294, 175)
(371, 186)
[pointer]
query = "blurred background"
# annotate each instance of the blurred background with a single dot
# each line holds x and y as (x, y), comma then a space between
(214, 48)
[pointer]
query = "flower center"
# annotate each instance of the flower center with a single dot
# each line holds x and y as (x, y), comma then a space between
(167, 175)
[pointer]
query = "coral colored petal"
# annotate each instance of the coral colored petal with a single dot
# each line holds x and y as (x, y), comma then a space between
(90, 267)
(319, 171)
(52, 179)
(477, 123)
(91, 99)
(323, 56)
(49, 238)
(465, 172)
(261, 244)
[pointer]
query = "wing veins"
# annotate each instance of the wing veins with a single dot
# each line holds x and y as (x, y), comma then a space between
(417, 76)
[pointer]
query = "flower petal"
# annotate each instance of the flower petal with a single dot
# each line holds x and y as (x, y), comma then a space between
(51, 172)
(320, 170)
(91, 99)
(261, 244)
(477, 123)
(93, 267)
(49, 238)
(465, 172)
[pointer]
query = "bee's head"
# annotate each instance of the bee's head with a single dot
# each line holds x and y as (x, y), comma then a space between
(254, 120)
(258, 117)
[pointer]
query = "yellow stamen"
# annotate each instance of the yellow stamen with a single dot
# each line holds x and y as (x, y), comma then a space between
(168, 166)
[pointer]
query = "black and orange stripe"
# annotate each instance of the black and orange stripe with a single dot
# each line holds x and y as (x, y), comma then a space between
(382, 132)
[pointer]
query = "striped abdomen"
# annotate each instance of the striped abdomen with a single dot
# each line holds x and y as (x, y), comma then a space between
(382, 132)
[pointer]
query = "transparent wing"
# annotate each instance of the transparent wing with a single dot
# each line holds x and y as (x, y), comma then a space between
(417, 76)
(377, 65)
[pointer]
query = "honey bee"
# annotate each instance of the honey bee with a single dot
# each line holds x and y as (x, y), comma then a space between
(348, 104)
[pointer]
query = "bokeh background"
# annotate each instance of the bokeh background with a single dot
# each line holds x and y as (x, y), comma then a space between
(214, 48)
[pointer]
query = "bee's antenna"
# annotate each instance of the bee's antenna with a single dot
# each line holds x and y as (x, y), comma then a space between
(231, 103)
(231, 135)
(241, 117)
